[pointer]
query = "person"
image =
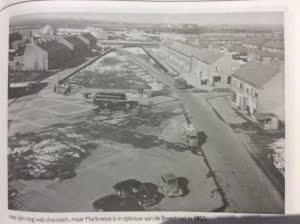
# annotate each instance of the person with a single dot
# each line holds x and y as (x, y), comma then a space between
(69, 88)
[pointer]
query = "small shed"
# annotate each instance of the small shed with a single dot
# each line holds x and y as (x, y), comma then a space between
(142, 89)
(267, 121)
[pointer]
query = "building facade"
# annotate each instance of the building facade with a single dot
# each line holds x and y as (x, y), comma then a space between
(253, 91)
(205, 66)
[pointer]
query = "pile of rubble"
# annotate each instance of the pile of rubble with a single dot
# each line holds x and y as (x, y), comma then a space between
(46, 158)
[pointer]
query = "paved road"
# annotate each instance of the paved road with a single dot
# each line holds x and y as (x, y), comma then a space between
(246, 188)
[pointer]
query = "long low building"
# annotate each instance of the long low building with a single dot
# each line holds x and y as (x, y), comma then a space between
(205, 65)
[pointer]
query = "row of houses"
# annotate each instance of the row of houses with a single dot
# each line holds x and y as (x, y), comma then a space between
(205, 65)
(256, 87)
(49, 52)
(268, 44)
(272, 46)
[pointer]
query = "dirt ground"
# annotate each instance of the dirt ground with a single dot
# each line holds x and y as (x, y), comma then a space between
(65, 152)
(114, 71)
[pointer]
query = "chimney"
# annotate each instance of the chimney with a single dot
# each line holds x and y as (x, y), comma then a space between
(266, 60)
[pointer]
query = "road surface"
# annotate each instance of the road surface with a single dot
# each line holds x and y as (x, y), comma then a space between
(245, 187)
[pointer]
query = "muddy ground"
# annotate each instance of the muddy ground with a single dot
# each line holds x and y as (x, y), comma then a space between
(64, 152)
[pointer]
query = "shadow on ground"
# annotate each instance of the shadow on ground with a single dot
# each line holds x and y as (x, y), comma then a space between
(33, 88)
(153, 188)
(183, 184)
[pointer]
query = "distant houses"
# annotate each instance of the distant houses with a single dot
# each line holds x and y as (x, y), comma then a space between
(96, 32)
(47, 51)
(274, 47)
(253, 43)
(258, 89)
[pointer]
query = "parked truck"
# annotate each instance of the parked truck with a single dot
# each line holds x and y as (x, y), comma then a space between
(190, 135)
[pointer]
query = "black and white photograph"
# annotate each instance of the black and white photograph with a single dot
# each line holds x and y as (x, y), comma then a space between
(146, 111)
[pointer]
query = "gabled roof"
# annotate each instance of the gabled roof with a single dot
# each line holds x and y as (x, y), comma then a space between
(206, 55)
(257, 73)
(139, 86)
(182, 47)
(203, 54)
(89, 36)
(74, 40)
(51, 46)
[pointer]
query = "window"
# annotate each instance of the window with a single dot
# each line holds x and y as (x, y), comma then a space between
(255, 94)
(216, 68)
(247, 90)
(228, 79)
(241, 85)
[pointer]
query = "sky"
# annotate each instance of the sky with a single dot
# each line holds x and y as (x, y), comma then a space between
(246, 18)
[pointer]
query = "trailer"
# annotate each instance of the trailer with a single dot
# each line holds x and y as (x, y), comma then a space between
(110, 100)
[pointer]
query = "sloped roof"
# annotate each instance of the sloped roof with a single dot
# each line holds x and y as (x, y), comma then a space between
(179, 46)
(89, 36)
(199, 52)
(139, 86)
(51, 46)
(74, 40)
(226, 64)
(206, 55)
(256, 73)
